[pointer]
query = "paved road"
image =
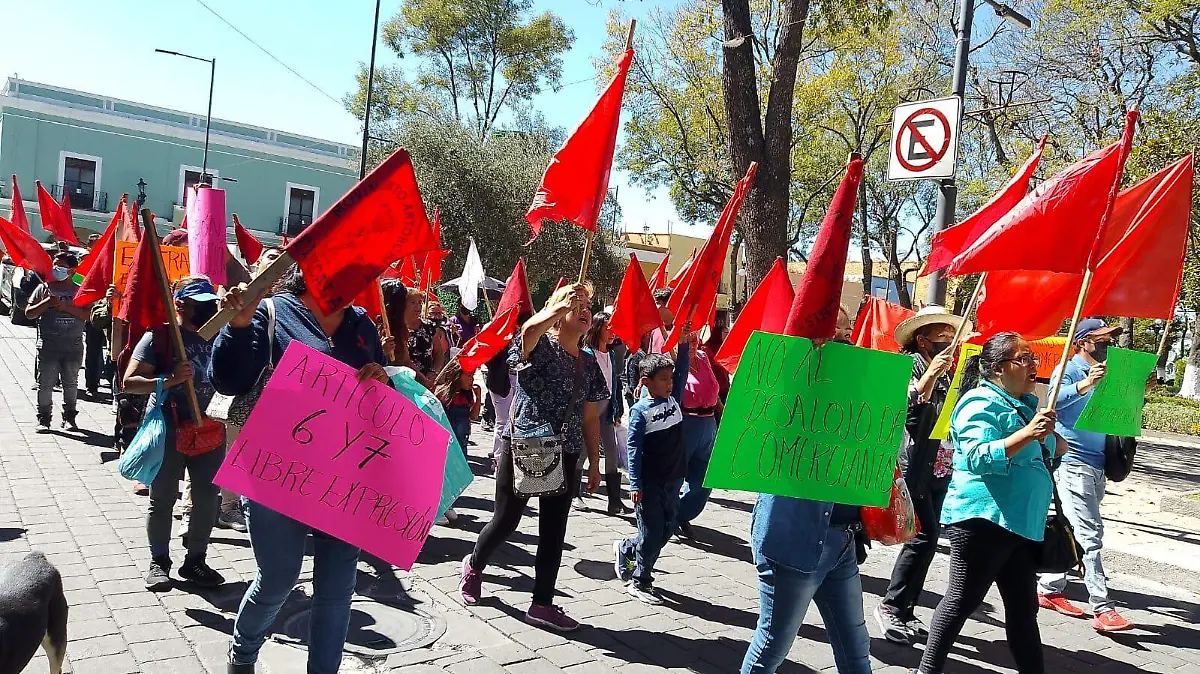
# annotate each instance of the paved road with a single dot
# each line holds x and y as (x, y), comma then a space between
(56, 495)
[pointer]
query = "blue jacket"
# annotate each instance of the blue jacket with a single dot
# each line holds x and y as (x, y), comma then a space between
(655, 439)
(239, 355)
(1013, 493)
(1082, 446)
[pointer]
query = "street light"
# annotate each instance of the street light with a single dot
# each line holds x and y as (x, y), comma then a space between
(362, 160)
(141, 185)
(947, 189)
(204, 177)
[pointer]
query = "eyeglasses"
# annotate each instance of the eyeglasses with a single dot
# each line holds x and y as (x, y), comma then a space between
(1026, 360)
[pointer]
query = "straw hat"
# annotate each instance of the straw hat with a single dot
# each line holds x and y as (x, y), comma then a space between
(930, 315)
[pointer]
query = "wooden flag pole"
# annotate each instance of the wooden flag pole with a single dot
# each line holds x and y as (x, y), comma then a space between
(387, 326)
(255, 290)
(1052, 398)
(160, 279)
(591, 235)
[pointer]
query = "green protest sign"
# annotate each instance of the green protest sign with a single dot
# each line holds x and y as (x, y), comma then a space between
(941, 428)
(1115, 406)
(823, 424)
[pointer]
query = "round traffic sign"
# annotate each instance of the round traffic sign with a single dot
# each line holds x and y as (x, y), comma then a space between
(934, 155)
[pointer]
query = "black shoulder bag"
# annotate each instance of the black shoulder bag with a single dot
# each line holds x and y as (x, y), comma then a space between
(1058, 552)
(1118, 457)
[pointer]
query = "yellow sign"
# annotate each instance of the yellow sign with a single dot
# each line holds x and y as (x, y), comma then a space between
(175, 262)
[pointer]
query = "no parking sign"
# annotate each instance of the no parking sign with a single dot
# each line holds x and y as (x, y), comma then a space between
(925, 139)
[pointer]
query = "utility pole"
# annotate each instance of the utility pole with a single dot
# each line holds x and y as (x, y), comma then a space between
(362, 160)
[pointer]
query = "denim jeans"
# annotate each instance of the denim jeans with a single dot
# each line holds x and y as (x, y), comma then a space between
(1081, 488)
(460, 423)
(655, 520)
(278, 543)
(698, 436)
(54, 367)
(784, 595)
(164, 491)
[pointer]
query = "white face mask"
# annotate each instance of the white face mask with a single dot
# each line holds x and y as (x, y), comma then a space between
(61, 273)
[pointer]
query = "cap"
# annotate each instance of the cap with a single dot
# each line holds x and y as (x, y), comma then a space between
(1090, 326)
(197, 291)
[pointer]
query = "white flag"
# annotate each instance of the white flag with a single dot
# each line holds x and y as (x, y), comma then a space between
(471, 279)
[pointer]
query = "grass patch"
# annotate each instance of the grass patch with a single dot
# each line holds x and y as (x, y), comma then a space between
(1172, 415)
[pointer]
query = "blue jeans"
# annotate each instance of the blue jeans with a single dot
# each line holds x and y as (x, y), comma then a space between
(655, 520)
(784, 595)
(1081, 488)
(698, 436)
(460, 423)
(278, 543)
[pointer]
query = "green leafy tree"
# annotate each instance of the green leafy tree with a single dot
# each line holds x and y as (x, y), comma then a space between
(474, 59)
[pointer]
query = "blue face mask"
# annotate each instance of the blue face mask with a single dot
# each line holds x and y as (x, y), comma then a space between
(61, 273)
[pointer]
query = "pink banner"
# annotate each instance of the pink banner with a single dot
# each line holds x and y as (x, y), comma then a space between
(207, 233)
(358, 461)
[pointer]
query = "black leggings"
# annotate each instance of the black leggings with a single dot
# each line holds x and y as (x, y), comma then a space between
(552, 526)
(981, 553)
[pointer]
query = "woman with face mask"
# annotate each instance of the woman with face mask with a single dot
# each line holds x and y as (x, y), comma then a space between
(60, 326)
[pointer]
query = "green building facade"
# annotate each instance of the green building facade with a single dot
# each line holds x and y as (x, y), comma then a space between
(97, 147)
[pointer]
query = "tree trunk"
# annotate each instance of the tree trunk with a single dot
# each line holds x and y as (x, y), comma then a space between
(901, 287)
(754, 137)
(1191, 374)
(1164, 350)
(1126, 339)
(864, 241)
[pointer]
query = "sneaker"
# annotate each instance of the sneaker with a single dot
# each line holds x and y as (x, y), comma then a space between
(470, 584)
(1057, 602)
(686, 532)
(237, 668)
(1110, 621)
(140, 489)
(233, 520)
(201, 574)
(551, 617)
(158, 578)
(892, 627)
(916, 628)
(645, 593)
(624, 566)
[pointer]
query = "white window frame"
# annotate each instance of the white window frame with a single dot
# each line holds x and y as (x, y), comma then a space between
(63, 155)
(287, 199)
(184, 168)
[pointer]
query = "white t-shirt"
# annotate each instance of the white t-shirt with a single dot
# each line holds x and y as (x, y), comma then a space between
(605, 361)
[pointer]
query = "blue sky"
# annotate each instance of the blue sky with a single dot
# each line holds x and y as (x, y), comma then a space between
(108, 48)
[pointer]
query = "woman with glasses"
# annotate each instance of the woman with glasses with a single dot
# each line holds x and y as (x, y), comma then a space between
(996, 505)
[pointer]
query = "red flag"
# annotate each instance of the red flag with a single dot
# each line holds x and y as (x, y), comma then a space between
(52, 216)
(17, 209)
(379, 221)
(369, 300)
(250, 246)
(576, 181)
(408, 274)
(679, 280)
(489, 341)
(1138, 275)
(1051, 227)
(142, 303)
(129, 229)
(516, 292)
(93, 256)
(659, 280)
(97, 268)
(814, 310)
(68, 216)
(634, 311)
(25, 250)
(949, 243)
(431, 266)
(699, 294)
(766, 310)
(876, 324)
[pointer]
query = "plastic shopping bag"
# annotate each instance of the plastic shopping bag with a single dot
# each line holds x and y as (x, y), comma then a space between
(144, 456)
(897, 523)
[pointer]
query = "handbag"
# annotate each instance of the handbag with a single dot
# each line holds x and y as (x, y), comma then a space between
(1058, 552)
(236, 409)
(895, 523)
(1118, 457)
(144, 456)
(195, 438)
(538, 468)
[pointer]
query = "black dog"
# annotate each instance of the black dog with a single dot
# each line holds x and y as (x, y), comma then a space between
(33, 610)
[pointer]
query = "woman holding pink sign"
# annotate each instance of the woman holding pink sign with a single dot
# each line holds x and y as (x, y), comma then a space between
(241, 352)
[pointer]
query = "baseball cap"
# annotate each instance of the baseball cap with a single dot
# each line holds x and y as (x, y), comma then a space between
(197, 291)
(1090, 326)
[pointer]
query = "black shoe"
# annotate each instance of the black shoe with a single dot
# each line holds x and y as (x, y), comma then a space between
(685, 531)
(234, 668)
(68, 421)
(158, 578)
(201, 574)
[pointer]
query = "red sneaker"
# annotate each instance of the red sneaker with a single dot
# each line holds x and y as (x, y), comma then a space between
(1057, 602)
(1110, 621)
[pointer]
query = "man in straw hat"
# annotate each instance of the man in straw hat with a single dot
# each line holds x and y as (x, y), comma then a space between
(926, 463)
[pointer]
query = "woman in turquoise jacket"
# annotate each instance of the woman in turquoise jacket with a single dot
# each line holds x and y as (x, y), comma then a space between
(996, 506)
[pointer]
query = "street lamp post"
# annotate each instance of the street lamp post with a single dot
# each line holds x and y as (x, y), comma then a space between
(212, 78)
(141, 185)
(362, 160)
(947, 189)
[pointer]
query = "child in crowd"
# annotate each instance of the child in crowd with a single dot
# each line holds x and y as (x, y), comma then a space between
(656, 469)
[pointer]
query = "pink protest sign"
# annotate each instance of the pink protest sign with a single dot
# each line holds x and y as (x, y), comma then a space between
(207, 233)
(358, 461)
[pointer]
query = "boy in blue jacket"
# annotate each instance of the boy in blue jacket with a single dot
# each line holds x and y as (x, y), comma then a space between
(657, 466)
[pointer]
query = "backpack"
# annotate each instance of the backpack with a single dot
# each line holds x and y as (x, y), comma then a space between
(1118, 457)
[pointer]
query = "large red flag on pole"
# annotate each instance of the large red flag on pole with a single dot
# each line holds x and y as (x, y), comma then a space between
(659, 280)
(52, 216)
(489, 340)
(17, 209)
(634, 311)
(25, 250)
(431, 266)
(98, 267)
(68, 216)
(516, 292)
(142, 304)
(93, 256)
(250, 246)
(766, 310)
(814, 310)
(951, 242)
(875, 327)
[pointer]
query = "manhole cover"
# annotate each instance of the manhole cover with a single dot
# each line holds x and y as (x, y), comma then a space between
(376, 630)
